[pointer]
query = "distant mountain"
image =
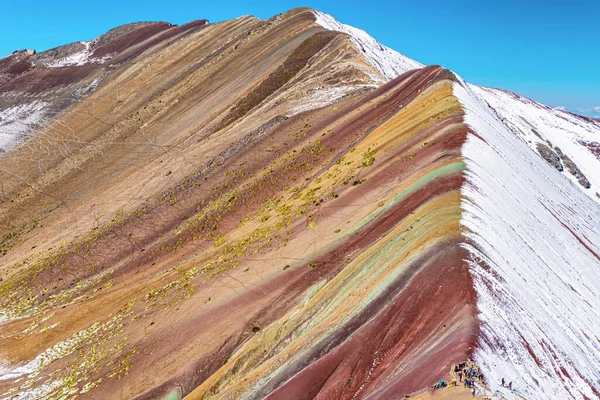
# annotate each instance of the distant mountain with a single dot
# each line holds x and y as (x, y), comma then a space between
(288, 209)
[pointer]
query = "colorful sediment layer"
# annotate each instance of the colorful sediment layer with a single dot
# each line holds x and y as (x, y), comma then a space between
(323, 246)
(391, 306)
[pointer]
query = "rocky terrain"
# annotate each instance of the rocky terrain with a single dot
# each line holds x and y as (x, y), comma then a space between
(287, 209)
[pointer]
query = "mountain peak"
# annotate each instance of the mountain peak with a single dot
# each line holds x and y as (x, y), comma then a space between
(389, 63)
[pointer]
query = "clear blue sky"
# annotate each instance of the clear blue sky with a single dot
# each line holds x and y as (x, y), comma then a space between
(547, 50)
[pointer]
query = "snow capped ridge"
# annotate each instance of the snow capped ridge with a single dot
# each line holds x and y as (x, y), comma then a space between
(387, 61)
(534, 239)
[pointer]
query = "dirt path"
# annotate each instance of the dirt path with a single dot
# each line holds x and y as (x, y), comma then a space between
(453, 393)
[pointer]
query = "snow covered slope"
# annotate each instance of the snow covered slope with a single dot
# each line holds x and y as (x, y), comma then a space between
(388, 62)
(578, 138)
(535, 244)
(20, 121)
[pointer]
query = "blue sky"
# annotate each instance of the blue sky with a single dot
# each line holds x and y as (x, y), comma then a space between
(546, 50)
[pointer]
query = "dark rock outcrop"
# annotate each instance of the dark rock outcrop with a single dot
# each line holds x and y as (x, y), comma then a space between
(550, 156)
(573, 169)
(556, 158)
(57, 53)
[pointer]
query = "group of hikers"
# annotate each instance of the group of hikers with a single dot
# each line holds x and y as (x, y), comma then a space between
(469, 374)
(466, 372)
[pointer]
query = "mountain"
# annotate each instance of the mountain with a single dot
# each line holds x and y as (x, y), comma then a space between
(38, 87)
(287, 208)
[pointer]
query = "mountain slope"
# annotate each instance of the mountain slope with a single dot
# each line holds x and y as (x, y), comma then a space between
(535, 252)
(572, 138)
(286, 208)
(553, 256)
(355, 333)
(138, 214)
(37, 87)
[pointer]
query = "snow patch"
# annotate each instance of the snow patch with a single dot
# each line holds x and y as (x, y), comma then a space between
(90, 87)
(532, 235)
(325, 97)
(12, 373)
(82, 57)
(389, 63)
(19, 122)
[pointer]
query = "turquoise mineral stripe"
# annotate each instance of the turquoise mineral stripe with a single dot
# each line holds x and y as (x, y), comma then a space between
(439, 172)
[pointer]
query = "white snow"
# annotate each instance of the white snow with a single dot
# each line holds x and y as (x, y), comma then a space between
(81, 92)
(12, 373)
(388, 62)
(82, 57)
(79, 58)
(324, 97)
(20, 121)
(561, 128)
(537, 283)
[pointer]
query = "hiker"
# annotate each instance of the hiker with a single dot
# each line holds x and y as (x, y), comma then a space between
(460, 376)
(510, 385)
(440, 384)
(502, 382)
